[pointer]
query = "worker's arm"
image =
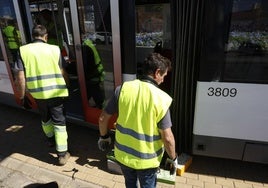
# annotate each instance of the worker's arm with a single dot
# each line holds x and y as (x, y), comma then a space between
(103, 123)
(20, 82)
(169, 142)
(110, 109)
(104, 139)
(66, 77)
(63, 64)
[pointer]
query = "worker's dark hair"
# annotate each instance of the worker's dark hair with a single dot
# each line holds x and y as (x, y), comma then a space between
(39, 31)
(156, 61)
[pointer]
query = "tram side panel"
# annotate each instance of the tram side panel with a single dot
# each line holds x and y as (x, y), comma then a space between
(6, 90)
(230, 120)
(230, 109)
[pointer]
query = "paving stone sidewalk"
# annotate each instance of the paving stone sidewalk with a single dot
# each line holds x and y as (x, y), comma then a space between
(25, 160)
(15, 174)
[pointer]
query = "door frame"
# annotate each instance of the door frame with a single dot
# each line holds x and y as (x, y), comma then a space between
(92, 114)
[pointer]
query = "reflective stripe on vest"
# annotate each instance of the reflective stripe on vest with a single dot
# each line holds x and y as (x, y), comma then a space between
(43, 75)
(138, 142)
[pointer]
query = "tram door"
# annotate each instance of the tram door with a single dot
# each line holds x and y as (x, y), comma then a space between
(83, 31)
(90, 41)
(11, 38)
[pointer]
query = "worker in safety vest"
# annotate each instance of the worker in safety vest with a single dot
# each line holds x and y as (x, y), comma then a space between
(13, 38)
(143, 127)
(40, 69)
(94, 73)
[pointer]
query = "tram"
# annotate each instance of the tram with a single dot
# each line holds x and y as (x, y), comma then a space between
(219, 54)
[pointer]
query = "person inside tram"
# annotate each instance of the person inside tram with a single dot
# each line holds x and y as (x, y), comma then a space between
(94, 74)
(13, 39)
(143, 127)
(45, 17)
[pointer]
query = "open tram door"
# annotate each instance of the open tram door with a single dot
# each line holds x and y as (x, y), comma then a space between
(12, 36)
(94, 51)
(84, 32)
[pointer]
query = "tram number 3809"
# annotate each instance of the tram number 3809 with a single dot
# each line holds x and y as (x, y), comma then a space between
(222, 92)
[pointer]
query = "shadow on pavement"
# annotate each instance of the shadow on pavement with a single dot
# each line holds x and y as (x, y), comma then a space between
(228, 168)
(20, 132)
(41, 185)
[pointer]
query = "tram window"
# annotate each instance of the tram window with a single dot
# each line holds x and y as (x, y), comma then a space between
(153, 33)
(56, 18)
(153, 29)
(68, 27)
(236, 48)
(10, 31)
(96, 37)
(153, 25)
(247, 47)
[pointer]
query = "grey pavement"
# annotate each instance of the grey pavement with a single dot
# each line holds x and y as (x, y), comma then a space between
(15, 174)
(26, 161)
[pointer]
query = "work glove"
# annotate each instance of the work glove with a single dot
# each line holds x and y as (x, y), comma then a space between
(26, 102)
(171, 165)
(104, 142)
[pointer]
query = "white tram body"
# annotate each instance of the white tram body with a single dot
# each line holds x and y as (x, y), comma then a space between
(219, 51)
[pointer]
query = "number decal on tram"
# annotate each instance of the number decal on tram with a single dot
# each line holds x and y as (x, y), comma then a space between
(222, 92)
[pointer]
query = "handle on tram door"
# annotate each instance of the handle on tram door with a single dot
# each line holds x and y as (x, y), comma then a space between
(78, 47)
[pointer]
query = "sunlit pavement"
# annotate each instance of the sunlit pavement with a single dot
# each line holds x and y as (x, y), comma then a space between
(25, 160)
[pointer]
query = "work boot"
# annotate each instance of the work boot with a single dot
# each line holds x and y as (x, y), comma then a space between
(63, 158)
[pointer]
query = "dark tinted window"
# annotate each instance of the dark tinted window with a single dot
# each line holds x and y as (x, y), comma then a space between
(236, 45)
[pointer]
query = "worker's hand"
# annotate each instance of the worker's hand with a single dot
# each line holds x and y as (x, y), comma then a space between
(26, 102)
(171, 165)
(104, 142)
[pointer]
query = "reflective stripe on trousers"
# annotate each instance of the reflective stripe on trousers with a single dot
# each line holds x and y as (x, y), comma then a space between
(61, 137)
(48, 128)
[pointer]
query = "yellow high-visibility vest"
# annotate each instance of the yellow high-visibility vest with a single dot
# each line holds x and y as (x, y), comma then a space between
(13, 37)
(138, 143)
(97, 59)
(43, 75)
